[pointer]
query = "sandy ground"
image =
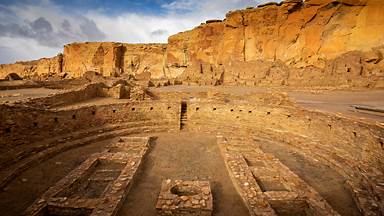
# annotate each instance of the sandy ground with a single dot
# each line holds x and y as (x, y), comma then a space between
(98, 101)
(177, 156)
(335, 102)
(342, 102)
(327, 182)
(181, 155)
(187, 156)
(31, 184)
(17, 94)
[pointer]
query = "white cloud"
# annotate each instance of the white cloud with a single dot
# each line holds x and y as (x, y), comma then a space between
(180, 5)
(182, 15)
(16, 49)
(129, 27)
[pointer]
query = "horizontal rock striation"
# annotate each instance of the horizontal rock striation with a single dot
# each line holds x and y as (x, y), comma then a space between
(317, 43)
(36, 68)
(113, 59)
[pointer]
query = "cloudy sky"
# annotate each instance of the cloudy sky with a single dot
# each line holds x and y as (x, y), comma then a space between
(32, 29)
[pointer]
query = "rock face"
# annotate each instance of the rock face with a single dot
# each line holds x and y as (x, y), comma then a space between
(316, 43)
(286, 44)
(100, 57)
(38, 68)
(112, 59)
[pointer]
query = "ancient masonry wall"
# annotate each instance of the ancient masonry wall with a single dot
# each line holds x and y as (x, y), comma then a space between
(289, 195)
(345, 145)
(63, 98)
(118, 167)
(26, 125)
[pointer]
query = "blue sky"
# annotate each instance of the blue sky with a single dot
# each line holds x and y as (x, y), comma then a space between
(32, 29)
(108, 6)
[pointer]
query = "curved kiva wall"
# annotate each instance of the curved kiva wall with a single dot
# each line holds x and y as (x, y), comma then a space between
(24, 125)
(352, 148)
(25, 131)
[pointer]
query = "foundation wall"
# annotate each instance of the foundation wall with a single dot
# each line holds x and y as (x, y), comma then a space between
(71, 96)
(345, 145)
(24, 125)
(345, 139)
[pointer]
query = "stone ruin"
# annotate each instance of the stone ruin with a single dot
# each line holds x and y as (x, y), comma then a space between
(179, 197)
(221, 121)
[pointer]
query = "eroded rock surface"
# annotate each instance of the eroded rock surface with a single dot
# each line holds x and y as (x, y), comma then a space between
(308, 41)
(38, 68)
(317, 43)
(114, 59)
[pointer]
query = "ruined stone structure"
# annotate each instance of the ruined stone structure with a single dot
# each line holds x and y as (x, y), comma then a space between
(252, 129)
(185, 198)
(234, 117)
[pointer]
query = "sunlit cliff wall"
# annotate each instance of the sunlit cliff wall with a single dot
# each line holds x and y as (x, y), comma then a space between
(311, 41)
(316, 43)
(41, 67)
(112, 59)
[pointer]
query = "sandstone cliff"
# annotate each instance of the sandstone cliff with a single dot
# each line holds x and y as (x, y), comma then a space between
(113, 59)
(37, 68)
(316, 43)
(324, 42)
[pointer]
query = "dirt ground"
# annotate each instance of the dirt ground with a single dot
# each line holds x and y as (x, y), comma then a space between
(31, 184)
(327, 182)
(177, 156)
(17, 94)
(183, 156)
(342, 102)
(336, 101)
(97, 101)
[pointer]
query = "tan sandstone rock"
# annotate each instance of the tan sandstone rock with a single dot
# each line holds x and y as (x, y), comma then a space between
(42, 67)
(292, 43)
(113, 59)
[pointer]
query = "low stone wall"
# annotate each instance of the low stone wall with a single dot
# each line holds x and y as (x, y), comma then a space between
(361, 141)
(25, 125)
(345, 145)
(67, 97)
(121, 165)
